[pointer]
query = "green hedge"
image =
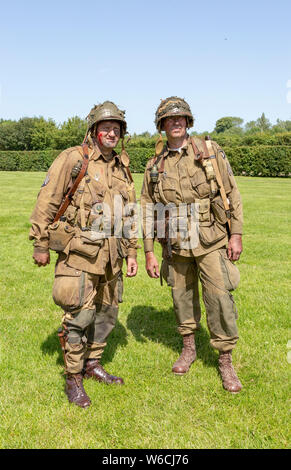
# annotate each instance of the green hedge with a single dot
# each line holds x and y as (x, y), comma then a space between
(37, 160)
(259, 160)
(252, 140)
(225, 140)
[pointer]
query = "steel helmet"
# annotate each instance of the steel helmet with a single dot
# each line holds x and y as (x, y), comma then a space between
(173, 106)
(107, 111)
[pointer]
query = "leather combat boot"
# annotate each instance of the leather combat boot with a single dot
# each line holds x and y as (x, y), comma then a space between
(188, 356)
(94, 370)
(75, 390)
(230, 380)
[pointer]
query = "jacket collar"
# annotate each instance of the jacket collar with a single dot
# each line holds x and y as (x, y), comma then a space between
(184, 149)
(95, 153)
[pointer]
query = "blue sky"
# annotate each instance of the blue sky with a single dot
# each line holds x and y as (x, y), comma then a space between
(226, 58)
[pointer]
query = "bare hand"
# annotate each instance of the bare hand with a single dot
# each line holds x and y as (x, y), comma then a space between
(41, 259)
(131, 267)
(234, 248)
(152, 266)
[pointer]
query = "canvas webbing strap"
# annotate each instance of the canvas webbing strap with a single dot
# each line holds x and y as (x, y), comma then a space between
(209, 153)
(72, 191)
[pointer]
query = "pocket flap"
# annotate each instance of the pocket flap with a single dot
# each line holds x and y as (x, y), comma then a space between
(85, 249)
(169, 184)
(197, 178)
(204, 205)
(91, 237)
(63, 269)
(191, 171)
(54, 226)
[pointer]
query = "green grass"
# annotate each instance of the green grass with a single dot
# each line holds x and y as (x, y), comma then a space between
(155, 409)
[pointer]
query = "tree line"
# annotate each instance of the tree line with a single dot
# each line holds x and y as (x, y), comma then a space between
(38, 133)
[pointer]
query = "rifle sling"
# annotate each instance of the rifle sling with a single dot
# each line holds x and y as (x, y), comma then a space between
(72, 191)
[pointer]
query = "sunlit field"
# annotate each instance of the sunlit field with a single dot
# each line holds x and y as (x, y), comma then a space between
(154, 409)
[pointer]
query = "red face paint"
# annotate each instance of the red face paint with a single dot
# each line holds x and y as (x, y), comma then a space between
(99, 137)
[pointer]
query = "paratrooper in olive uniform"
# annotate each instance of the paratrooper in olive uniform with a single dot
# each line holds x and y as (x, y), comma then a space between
(190, 173)
(88, 272)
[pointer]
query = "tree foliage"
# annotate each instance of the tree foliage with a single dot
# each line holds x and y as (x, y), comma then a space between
(38, 133)
(226, 123)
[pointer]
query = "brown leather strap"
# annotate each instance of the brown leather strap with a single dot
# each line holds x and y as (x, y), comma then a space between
(72, 191)
(197, 153)
(208, 146)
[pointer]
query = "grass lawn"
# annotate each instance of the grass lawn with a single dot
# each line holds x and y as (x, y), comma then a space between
(155, 409)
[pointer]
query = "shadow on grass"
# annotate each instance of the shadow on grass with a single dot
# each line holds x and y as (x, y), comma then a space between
(159, 326)
(117, 338)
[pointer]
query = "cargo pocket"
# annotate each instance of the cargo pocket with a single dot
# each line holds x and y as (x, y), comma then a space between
(169, 189)
(203, 210)
(167, 273)
(60, 233)
(69, 290)
(218, 210)
(199, 183)
(212, 233)
(230, 271)
(85, 245)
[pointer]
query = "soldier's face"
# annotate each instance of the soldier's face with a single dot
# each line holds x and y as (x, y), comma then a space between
(175, 126)
(108, 133)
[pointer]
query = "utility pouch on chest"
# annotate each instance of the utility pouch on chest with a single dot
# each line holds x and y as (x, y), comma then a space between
(60, 233)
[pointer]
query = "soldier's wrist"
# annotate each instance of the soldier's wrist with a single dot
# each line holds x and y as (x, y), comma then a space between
(131, 253)
(148, 245)
(40, 249)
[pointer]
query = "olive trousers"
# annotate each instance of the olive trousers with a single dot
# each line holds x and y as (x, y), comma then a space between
(90, 305)
(218, 276)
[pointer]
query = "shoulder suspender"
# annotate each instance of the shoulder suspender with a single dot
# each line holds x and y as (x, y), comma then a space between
(209, 152)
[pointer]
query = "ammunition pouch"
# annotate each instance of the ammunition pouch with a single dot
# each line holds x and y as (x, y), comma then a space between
(218, 210)
(204, 210)
(60, 234)
(211, 228)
